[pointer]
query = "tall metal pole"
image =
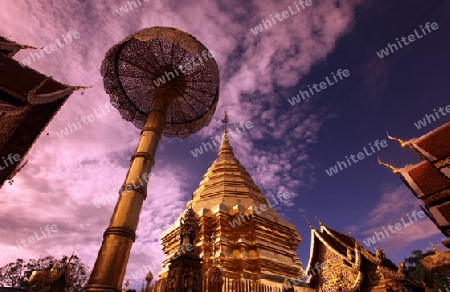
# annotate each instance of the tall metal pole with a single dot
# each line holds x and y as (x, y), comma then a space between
(109, 269)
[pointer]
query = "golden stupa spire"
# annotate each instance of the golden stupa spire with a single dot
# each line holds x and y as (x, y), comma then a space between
(225, 146)
(225, 120)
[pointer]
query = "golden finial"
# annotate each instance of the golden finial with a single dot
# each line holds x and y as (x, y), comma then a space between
(349, 233)
(318, 219)
(309, 223)
(402, 143)
(394, 170)
(225, 122)
(433, 246)
(81, 87)
(30, 47)
(225, 119)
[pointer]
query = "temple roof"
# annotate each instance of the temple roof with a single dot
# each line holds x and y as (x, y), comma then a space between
(227, 181)
(227, 184)
(429, 180)
(424, 179)
(341, 245)
(10, 48)
(28, 102)
(429, 146)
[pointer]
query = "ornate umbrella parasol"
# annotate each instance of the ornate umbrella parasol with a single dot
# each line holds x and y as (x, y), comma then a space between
(165, 82)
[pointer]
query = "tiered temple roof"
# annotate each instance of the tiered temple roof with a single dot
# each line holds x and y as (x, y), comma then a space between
(259, 249)
(429, 180)
(339, 263)
(28, 102)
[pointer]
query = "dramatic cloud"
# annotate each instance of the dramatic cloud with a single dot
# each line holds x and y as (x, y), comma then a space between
(65, 176)
(396, 205)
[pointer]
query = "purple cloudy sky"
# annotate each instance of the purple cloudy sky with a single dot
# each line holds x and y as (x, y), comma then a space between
(288, 148)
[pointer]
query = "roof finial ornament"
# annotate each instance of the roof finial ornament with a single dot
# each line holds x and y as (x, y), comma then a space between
(309, 223)
(318, 219)
(433, 246)
(225, 146)
(402, 143)
(349, 233)
(394, 170)
(225, 119)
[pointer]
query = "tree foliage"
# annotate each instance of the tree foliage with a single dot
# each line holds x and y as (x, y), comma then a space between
(16, 274)
(416, 271)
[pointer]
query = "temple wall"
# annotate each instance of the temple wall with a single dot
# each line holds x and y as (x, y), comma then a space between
(237, 285)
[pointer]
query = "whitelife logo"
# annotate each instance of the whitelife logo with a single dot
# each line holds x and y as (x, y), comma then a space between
(10, 158)
(431, 118)
(334, 169)
(53, 47)
(262, 207)
(411, 38)
(199, 150)
(296, 99)
(187, 68)
(398, 226)
(31, 240)
(124, 9)
(86, 120)
(284, 14)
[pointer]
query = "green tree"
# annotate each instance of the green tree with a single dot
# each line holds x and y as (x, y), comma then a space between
(16, 274)
(12, 274)
(416, 271)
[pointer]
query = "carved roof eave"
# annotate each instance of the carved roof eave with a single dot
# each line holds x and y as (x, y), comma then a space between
(34, 98)
(356, 265)
(311, 253)
(440, 261)
(11, 110)
(323, 227)
(367, 254)
(358, 282)
(13, 47)
(413, 143)
(314, 232)
(396, 275)
(370, 257)
(411, 183)
(407, 179)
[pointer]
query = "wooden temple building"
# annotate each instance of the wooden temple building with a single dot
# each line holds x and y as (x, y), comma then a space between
(28, 102)
(206, 251)
(339, 263)
(429, 181)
